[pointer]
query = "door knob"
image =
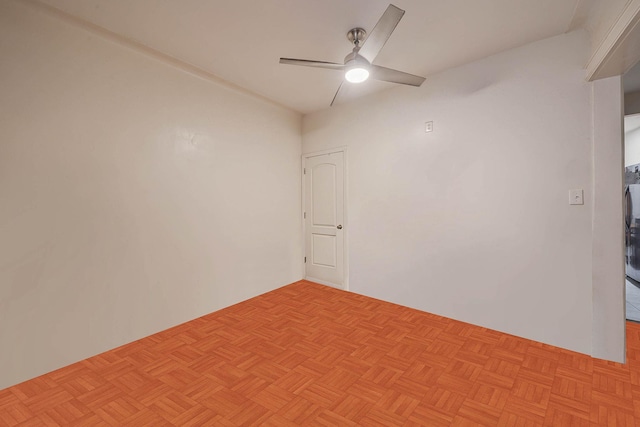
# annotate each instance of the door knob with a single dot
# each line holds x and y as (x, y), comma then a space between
(339, 227)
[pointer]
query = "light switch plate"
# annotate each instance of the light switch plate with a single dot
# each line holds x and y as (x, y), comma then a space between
(576, 197)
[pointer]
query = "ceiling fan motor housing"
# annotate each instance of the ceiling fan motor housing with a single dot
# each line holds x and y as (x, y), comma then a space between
(353, 59)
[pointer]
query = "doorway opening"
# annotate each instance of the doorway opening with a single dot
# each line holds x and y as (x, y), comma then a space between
(631, 85)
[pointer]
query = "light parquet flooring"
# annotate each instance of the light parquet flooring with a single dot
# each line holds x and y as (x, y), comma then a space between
(307, 354)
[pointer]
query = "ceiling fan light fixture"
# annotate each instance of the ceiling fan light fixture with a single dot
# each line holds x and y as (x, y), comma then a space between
(356, 74)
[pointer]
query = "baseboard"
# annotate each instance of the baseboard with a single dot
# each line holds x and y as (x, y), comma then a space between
(323, 282)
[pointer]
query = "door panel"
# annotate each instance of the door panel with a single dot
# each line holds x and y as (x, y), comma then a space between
(323, 194)
(324, 218)
(324, 250)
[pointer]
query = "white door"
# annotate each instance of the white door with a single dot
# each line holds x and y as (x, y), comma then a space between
(324, 218)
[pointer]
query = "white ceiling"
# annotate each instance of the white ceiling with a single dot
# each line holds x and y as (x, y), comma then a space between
(242, 40)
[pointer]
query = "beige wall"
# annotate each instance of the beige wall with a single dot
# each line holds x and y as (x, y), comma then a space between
(133, 196)
(472, 221)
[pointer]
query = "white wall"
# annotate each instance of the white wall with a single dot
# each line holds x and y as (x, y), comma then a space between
(632, 147)
(608, 275)
(133, 196)
(472, 221)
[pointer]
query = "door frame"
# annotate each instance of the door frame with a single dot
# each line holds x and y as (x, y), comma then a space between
(304, 157)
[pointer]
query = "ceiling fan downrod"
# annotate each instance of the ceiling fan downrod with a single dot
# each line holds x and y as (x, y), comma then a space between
(356, 36)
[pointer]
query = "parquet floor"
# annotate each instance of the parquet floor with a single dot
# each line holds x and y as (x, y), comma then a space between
(306, 354)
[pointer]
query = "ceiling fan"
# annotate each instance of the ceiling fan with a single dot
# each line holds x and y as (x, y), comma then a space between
(358, 65)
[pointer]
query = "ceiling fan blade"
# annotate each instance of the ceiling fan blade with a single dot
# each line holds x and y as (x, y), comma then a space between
(381, 32)
(395, 76)
(342, 91)
(314, 64)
